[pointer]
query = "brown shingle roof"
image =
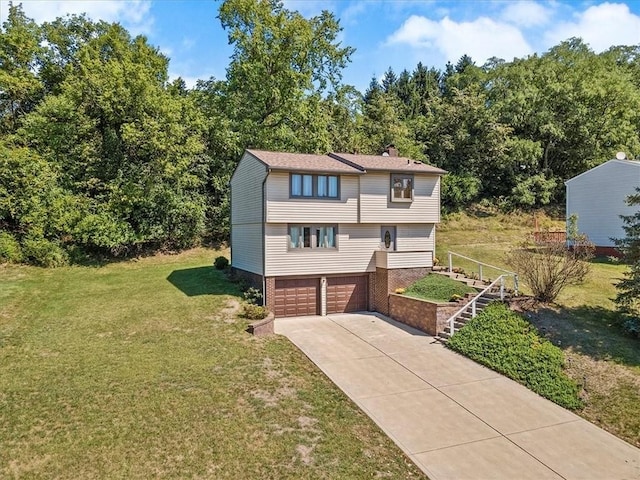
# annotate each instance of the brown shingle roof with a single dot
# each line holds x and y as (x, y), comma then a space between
(393, 164)
(303, 162)
(341, 163)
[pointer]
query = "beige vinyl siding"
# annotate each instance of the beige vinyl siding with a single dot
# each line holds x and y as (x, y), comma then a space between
(246, 247)
(598, 196)
(281, 208)
(415, 237)
(376, 207)
(246, 191)
(246, 215)
(392, 260)
(356, 247)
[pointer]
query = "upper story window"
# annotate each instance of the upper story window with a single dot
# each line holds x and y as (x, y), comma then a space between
(306, 185)
(401, 187)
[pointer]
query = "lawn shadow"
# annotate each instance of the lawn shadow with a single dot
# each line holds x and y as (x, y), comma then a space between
(590, 330)
(202, 281)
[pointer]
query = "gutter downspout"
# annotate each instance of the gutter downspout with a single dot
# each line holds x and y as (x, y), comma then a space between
(264, 243)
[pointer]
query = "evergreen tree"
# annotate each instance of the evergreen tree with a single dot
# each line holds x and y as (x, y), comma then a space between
(628, 297)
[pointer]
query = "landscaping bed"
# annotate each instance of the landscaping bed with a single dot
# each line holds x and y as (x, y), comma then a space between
(438, 288)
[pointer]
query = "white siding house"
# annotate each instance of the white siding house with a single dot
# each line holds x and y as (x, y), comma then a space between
(597, 197)
(325, 233)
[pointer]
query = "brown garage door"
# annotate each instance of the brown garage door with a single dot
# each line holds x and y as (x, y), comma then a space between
(296, 296)
(347, 294)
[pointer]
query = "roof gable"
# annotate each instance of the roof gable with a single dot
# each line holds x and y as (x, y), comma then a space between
(303, 162)
(633, 165)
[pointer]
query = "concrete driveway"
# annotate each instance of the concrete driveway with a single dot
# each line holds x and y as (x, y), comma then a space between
(454, 418)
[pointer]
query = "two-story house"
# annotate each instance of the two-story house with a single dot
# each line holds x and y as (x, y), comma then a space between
(321, 234)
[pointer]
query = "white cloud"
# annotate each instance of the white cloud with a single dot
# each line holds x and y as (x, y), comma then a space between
(481, 39)
(601, 26)
(526, 14)
(132, 14)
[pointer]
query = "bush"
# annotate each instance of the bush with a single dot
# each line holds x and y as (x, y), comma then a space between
(253, 295)
(507, 343)
(437, 287)
(549, 267)
(44, 253)
(9, 249)
(221, 262)
(254, 312)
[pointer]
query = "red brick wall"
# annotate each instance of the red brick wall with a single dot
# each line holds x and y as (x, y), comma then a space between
(426, 316)
(387, 281)
(381, 300)
(403, 277)
(372, 291)
(270, 294)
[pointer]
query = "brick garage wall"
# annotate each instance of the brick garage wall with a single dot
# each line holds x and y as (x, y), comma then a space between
(428, 317)
(372, 291)
(270, 294)
(381, 300)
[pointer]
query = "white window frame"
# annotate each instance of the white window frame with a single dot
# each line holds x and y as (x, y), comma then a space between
(403, 178)
(313, 236)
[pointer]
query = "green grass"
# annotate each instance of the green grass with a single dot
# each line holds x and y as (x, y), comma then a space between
(142, 369)
(505, 342)
(583, 322)
(437, 288)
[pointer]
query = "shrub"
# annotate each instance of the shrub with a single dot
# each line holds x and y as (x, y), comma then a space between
(9, 249)
(254, 312)
(221, 262)
(551, 266)
(253, 296)
(437, 287)
(400, 291)
(507, 343)
(44, 253)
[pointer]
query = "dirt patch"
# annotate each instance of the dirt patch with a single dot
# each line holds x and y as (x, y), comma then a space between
(229, 314)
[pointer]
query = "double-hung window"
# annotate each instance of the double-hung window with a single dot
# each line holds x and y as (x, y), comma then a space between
(401, 187)
(312, 236)
(303, 185)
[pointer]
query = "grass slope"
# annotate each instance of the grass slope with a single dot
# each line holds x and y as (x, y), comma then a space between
(437, 288)
(142, 370)
(583, 323)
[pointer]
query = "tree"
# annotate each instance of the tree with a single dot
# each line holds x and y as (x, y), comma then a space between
(128, 145)
(628, 297)
(20, 87)
(281, 65)
(548, 267)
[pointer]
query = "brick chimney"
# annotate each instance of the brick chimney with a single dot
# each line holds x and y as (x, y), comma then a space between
(391, 150)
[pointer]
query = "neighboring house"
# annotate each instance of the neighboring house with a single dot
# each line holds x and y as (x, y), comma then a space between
(322, 234)
(597, 197)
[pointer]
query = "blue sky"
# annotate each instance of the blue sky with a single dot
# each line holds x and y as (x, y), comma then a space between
(385, 33)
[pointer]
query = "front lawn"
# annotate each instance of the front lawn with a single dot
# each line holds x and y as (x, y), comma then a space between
(142, 369)
(438, 288)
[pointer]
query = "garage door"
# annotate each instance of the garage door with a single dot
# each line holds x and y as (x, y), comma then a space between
(296, 296)
(347, 294)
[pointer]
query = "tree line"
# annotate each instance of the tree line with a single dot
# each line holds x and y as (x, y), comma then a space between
(101, 154)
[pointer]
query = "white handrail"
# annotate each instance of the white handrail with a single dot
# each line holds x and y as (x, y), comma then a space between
(473, 301)
(481, 264)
